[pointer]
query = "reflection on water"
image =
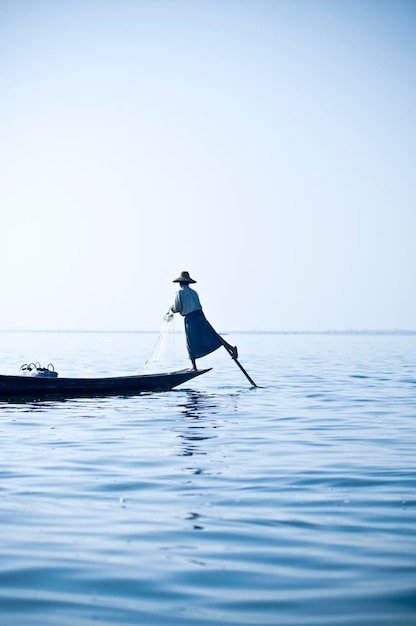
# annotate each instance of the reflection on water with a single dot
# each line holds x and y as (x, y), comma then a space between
(199, 425)
(203, 413)
(195, 431)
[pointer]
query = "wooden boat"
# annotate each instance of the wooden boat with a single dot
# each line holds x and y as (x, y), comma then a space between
(34, 387)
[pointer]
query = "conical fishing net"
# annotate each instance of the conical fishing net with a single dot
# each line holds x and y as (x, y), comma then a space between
(162, 357)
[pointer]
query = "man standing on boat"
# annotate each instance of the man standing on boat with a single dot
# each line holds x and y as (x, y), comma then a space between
(201, 338)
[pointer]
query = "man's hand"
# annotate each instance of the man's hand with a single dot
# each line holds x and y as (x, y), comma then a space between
(168, 315)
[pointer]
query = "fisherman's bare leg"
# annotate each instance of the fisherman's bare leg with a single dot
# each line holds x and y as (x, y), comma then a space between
(232, 350)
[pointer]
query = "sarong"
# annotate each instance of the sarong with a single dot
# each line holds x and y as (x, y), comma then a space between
(201, 338)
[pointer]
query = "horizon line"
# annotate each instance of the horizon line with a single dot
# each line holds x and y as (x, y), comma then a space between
(363, 331)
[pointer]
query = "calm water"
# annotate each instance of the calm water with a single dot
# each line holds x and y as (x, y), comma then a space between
(216, 503)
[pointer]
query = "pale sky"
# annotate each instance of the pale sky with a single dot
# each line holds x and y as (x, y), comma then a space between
(267, 147)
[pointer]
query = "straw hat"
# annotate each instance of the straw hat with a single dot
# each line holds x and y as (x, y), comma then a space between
(184, 278)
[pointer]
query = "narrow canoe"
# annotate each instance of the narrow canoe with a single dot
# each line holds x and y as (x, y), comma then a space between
(44, 387)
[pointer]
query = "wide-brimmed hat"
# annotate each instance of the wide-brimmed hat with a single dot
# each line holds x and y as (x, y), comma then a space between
(184, 278)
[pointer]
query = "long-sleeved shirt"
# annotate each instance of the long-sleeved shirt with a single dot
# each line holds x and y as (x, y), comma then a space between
(186, 301)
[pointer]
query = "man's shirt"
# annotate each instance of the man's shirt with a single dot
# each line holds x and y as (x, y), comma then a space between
(186, 301)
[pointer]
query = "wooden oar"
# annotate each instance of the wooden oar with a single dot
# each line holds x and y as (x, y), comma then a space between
(230, 351)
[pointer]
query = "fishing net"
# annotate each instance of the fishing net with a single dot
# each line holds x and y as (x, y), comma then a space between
(162, 357)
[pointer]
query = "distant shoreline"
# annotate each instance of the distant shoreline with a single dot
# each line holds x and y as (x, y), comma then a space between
(224, 332)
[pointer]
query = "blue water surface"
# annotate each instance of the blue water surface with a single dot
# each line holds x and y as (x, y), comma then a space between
(293, 503)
